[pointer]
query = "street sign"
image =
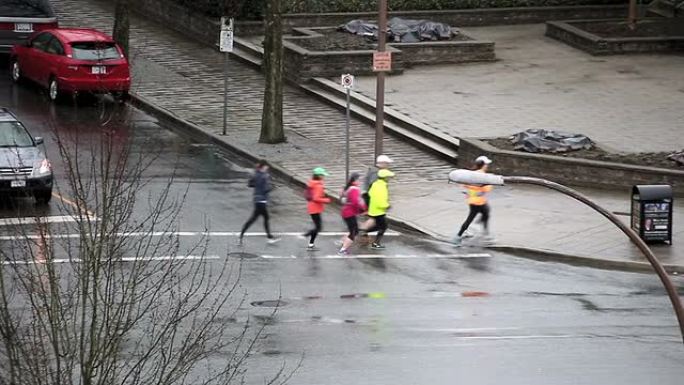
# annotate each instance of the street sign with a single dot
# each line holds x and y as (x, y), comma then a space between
(347, 81)
(226, 36)
(382, 61)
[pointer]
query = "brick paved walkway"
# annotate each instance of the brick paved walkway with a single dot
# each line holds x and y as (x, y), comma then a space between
(185, 78)
(628, 103)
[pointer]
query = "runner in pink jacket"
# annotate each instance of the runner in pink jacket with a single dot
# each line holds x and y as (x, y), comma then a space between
(353, 206)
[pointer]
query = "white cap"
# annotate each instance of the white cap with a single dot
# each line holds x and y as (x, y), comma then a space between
(483, 159)
(383, 159)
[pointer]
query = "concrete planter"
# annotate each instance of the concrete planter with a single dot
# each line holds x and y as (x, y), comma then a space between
(571, 171)
(573, 33)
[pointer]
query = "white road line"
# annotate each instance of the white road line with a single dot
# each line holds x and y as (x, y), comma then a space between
(381, 256)
(124, 259)
(36, 220)
(177, 234)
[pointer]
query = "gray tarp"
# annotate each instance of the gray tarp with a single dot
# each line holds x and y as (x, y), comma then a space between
(550, 141)
(402, 30)
(677, 157)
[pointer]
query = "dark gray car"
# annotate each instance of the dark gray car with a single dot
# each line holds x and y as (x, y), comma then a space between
(24, 168)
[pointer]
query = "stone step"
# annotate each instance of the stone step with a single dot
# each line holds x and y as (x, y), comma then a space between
(667, 8)
(446, 152)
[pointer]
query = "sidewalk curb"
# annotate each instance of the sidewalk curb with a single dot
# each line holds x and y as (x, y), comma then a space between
(576, 260)
(194, 131)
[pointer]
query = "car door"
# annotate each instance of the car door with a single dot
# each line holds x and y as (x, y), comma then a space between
(42, 58)
(29, 62)
(53, 60)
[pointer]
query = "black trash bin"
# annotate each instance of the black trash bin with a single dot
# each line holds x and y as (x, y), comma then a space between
(652, 212)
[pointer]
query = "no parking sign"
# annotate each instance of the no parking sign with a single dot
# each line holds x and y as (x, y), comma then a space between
(347, 81)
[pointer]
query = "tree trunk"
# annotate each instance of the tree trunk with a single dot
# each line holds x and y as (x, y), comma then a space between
(632, 14)
(272, 117)
(122, 24)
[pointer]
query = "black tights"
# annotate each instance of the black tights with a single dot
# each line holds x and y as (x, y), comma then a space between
(259, 210)
(474, 210)
(318, 226)
(380, 227)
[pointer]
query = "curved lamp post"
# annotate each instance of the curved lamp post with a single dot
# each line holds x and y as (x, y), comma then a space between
(478, 178)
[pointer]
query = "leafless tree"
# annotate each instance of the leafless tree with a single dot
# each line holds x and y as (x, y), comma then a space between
(122, 24)
(112, 301)
(272, 116)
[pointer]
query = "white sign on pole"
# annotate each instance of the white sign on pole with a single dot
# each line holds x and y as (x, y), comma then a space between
(347, 81)
(226, 36)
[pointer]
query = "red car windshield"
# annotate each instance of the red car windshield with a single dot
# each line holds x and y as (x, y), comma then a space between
(94, 51)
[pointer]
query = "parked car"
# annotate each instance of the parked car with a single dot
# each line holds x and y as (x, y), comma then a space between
(72, 60)
(24, 168)
(20, 18)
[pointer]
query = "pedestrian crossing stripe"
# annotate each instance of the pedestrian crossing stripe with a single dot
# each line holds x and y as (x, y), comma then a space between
(380, 256)
(168, 233)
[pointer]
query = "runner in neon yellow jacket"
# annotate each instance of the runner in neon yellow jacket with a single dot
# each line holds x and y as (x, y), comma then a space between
(379, 204)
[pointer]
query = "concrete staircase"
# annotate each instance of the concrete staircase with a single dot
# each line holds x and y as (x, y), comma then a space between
(667, 8)
(363, 108)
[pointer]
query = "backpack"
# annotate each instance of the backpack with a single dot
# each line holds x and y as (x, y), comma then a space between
(308, 194)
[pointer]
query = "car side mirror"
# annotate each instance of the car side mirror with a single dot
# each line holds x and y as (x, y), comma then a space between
(39, 140)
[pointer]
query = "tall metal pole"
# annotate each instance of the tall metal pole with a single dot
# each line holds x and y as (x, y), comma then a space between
(225, 92)
(380, 83)
(346, 160)
(634, 237)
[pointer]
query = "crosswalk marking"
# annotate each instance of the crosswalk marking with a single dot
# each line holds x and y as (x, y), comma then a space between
(37, 220)
(173, 234)
(381, 256)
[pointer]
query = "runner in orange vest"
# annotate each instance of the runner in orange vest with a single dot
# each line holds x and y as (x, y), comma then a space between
(476, 196)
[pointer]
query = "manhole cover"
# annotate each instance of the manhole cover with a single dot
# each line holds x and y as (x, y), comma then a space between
(242, 255)
(269, 303)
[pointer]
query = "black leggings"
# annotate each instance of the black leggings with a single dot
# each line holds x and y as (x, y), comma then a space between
(352, 226)
(474, 210)
(380, 227)
(318, 226)
(259, 210)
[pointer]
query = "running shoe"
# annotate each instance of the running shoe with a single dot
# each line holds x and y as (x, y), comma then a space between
(240, 242)
(457, 241)
(377, 246)
(343, 252)
(311, 247)
(272, 241)
(468, 234)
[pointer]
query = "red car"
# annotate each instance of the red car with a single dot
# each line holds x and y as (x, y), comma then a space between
(72, 60)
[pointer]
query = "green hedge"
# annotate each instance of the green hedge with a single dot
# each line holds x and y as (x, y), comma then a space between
(252, 9)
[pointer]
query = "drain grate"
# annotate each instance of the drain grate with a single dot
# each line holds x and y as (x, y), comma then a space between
(269, 303)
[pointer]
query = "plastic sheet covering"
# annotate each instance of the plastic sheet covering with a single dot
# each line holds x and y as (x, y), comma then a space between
(677, 157)
(402, 30)
(539, 141)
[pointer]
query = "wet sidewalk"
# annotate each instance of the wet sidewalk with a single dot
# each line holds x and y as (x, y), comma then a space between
(181, 78)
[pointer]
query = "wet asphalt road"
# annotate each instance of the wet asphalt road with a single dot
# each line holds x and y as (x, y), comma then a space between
(416, 313)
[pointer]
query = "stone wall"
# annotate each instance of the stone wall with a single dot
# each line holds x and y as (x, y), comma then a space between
(570, 171)
(302, 64)
(456, 18)
(572, 34)
(446, 52)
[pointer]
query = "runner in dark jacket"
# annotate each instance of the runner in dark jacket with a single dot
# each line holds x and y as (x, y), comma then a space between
(261, 183)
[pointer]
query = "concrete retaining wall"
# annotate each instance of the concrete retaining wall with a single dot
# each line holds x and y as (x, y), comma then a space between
(572, 34)
(457, 18)
(571, 171)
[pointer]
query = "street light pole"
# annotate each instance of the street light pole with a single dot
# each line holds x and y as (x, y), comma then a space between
(380, 82)
(472, 177)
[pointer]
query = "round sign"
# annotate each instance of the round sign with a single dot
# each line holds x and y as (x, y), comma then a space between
(347, 81)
